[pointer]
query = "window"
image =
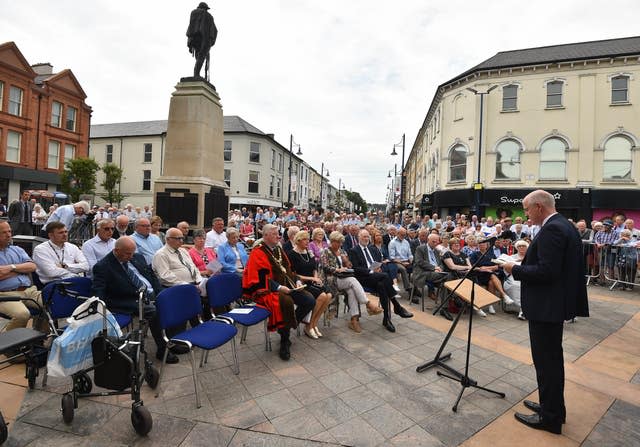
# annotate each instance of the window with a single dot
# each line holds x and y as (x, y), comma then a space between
(508, 160)
(53, 159)
(1, 94)
(14, 142)
(458, 164)
(510, 97)
(617, 158)
(109, 155)
(278, 186)
(69, 152)
(620, 89)
(554, 93)
(56, 114)
(457, 108)
(146, 180)
(71, 119)
(227, 150)
(273, 158)
(148, 152)
(280, 162)
(254, 152)
(553, 159)
(15, 101)
(254, 179)
(227, 177)
(272, 184)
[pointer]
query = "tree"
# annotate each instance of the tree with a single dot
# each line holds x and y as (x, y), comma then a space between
(355, 198)
(79, 177)
(111, 183)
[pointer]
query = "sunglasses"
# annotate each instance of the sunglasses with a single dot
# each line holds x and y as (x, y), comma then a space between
(176, 238)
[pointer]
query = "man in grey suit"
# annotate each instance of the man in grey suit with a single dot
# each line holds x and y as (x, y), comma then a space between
(20, 215)
(553, 291)
(428, 267)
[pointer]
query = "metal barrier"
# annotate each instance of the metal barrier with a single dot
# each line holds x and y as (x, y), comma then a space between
(616, 264)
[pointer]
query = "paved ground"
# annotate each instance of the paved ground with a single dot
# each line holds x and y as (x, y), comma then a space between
(363, 390)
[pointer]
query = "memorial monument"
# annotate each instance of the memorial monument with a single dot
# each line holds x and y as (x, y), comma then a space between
(192, 186)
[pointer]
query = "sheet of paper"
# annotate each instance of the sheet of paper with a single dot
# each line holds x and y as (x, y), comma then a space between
(241, 310)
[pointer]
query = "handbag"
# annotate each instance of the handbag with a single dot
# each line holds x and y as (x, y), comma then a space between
(345, 274)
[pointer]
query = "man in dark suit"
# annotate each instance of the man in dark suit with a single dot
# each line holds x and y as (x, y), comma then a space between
(20, 215)
(553, 291)
(362, 256)
(428, 267)
(116, 280)
(351, 238)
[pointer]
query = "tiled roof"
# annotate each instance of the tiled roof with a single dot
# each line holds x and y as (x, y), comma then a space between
(232, 123)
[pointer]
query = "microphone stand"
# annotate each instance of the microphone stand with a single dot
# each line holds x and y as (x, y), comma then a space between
(464, 379)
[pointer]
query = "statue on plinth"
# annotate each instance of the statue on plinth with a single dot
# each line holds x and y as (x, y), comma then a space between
(201, 36)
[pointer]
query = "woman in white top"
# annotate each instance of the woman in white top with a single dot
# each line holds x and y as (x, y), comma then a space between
(511, 286)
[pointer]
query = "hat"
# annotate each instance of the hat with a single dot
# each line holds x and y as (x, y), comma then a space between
(203, 5)
(482, 239)
(608, 222)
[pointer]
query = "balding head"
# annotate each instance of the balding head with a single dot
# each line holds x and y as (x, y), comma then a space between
(124, 248)
(538, 205)
(433, 240)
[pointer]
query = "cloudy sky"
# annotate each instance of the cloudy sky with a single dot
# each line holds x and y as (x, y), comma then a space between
(346, 77)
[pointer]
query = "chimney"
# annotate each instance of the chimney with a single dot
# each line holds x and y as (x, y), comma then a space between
(44, 68)
(270, 135)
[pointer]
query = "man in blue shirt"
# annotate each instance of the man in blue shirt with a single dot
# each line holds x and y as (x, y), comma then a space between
(400, 254)
(147, 244)
(101, 245)
(15, 266)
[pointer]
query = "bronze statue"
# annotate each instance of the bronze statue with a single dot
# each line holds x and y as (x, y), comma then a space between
(201, 36)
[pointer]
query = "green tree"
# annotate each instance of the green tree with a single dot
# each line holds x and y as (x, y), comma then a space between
(359, 203)
(79, 177)
(111, 183)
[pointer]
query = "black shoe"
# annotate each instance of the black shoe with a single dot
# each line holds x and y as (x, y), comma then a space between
(535, 406)
(388, 325)
(415, 300)
(446, 314)
(402, 312)
(416, 292)
(179, 350)
(285, 353)
(535, 421)
(171, 357)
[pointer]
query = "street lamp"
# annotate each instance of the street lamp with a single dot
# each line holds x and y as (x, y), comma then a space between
(322, 174)
(477, 187)
(291, 144)
(393, 152)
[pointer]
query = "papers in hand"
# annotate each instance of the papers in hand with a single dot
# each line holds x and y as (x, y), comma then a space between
(502, 259)
(215, 266)
(241, 310)
(375, 266)
(299, 287)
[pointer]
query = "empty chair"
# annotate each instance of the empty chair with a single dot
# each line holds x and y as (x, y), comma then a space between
(225, 288)
(179, 304)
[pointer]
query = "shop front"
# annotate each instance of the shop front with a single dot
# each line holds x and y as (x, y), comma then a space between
(607, 203)
(450, 202)
(571, 203)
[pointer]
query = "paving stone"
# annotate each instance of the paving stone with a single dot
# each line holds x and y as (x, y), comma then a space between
(356, 432)
(23, 433)
(293, 375)
(331, 412)
(415, 436)
(364, 373)
(263, 384)
(453, 428)
(244, 415)
(185, 407)
(278, 403)
(387, 420)
(299, 423)
(339, 382)
(361, 399)
(206, 435)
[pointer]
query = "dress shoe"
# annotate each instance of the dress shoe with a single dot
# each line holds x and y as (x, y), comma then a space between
(535, 421)
(415, 300)
(309, 332)
(285, 353)
(389, 326)
(402, 312)
(179, 350)
(446, 314)
(317, 332)
(521, 316)
(171, 357)
(535, 406)
(507, 300)
(354, 325)
(491, 310)
(480, 312)
(373, 310)
(396, 288)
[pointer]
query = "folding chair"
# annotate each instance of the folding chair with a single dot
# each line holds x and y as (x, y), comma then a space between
(179, 304)
(225, 288)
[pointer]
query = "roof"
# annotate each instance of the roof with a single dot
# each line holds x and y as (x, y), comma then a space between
(231, 123)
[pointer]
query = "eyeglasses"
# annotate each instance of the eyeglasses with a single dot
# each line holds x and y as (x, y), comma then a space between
(108, 228)
(176, 238)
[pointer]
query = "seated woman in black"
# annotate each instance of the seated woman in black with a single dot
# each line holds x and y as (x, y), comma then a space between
(304, 265)
(487, 275)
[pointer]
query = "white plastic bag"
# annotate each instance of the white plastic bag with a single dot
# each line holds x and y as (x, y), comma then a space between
(71, 352)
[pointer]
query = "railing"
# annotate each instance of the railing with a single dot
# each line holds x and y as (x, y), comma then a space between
(616, 264)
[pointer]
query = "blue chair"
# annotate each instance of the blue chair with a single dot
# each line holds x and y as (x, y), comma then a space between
(226, 288)
(178, 304)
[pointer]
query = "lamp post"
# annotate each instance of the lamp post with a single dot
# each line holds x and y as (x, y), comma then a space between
(322, 174)
(393, 152)
(477, 187)
(291, 144)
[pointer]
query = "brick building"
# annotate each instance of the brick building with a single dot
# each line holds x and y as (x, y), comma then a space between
(44, 121)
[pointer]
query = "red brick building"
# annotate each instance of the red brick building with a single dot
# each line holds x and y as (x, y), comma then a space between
(44, 121)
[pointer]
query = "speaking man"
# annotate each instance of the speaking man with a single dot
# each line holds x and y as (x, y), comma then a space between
(553, 290)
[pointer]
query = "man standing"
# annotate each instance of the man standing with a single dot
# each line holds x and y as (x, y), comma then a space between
(57, 258)
(101, 245)
(66, 214)
(201, 34)
(20, 215)
(553, 290)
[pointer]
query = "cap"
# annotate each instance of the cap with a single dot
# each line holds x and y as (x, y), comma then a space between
(608, 222)
(203, 5)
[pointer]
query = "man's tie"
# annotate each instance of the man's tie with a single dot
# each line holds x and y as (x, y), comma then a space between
(26, 212)
(368, 256)
(432, 257)
(137, 282)
(191, 272)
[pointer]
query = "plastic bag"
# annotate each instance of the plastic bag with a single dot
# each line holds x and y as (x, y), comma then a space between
(71, 352)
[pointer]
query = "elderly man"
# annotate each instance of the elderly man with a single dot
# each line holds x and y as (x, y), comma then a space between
(270, 282)
(400, 254)
(58, 259)
(185, 228)
(366, 260)
(117, 278)
(216, 236)
(147, 244)
(428, 266)
(15, 280)
(101, 244)
(173, 264)
(67, 214)
(351, 238)
(122, 227)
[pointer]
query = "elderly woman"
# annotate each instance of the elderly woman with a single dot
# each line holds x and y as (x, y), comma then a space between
(336, 269)
(470, 245)
(318, 243)
(156, 224)
(487, 275)
(201, 255)
(627, 259)
(511, 286)
(304, 265)
(247, 230)
(232, 254)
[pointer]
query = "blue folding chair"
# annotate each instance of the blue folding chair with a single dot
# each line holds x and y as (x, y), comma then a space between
(179, 304)
(226, 288)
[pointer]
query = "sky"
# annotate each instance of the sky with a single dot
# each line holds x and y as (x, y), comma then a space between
(346, 78)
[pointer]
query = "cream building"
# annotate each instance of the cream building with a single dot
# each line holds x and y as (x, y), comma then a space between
(256, 166)
(565, 118)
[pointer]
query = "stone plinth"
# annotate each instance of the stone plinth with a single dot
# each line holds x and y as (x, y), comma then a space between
(192, 186)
